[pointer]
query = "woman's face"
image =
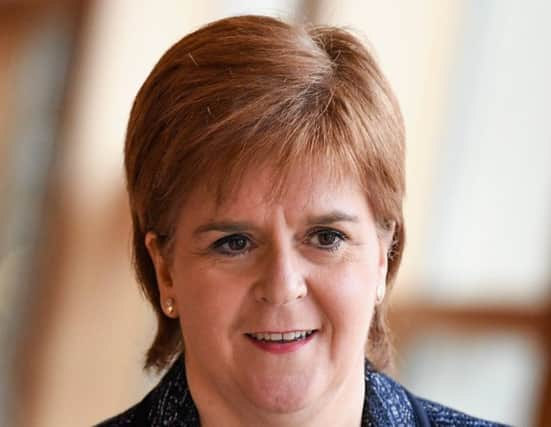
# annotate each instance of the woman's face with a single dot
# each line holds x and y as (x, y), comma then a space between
(275, 298)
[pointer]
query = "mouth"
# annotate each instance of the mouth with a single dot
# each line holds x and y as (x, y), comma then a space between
(281, 337)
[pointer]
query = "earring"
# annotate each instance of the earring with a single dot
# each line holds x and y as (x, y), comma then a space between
(380, 292)
(169, 307)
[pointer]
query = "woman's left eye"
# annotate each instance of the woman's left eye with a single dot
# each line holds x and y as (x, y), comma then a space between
(327, 239)
(235, 244)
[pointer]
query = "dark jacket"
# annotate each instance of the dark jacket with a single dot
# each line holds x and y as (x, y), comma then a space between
(386, 404)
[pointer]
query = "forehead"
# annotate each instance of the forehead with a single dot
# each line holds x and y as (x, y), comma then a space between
(315, 187)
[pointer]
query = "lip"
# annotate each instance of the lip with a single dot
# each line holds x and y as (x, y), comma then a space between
(282, 348)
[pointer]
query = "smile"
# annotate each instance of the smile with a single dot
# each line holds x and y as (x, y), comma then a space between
(281, 337)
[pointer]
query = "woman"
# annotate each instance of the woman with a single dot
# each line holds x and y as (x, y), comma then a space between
(265, 170)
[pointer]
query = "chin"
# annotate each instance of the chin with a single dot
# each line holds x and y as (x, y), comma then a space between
(282, 394)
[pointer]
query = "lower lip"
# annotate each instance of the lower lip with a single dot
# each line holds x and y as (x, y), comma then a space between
(282, 348)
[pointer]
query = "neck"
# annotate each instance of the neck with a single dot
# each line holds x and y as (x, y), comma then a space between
(340, 407)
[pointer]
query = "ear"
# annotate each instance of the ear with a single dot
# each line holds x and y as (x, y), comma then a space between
(162, 272)
(386, 236)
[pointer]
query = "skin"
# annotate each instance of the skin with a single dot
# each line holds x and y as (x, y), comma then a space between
(309, 260)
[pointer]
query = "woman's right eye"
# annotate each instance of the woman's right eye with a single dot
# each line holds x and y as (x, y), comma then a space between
(233, 245)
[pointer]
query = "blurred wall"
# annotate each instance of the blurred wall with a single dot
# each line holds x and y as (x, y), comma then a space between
(471, 80)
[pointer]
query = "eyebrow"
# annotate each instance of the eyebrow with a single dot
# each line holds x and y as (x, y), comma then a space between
(232, 227)
(331, 217)
(225, 226)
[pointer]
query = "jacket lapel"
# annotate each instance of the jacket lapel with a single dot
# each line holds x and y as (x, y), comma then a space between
(386, 402)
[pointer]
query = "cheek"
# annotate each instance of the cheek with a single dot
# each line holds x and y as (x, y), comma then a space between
(208, 302)
(348, 294)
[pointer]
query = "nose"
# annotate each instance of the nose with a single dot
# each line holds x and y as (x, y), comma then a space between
(281, 281)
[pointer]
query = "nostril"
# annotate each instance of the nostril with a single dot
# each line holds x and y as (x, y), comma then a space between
(280, 289)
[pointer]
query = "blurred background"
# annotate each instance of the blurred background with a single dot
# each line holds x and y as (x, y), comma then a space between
(471, 306)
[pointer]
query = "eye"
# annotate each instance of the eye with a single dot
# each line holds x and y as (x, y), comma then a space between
(232, 245)
(327, 238)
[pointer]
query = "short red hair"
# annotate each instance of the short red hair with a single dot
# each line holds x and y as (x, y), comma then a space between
(249, 90)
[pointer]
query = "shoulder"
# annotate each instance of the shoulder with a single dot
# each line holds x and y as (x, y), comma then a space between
(387, 397)
(440, 415)
(168, 404)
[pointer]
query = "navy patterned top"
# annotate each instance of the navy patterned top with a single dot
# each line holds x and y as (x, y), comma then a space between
(386, 403)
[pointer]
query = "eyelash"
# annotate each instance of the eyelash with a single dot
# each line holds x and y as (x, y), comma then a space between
(218, 246)
(341, 237)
